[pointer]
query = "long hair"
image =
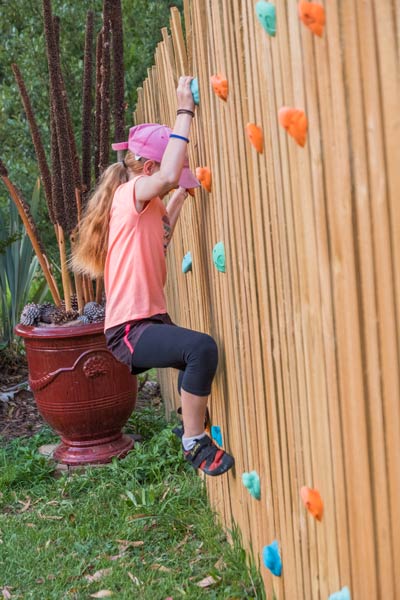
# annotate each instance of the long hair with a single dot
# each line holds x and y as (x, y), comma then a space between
(90, 250)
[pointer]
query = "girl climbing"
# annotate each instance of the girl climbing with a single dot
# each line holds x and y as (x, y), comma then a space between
(124, 235)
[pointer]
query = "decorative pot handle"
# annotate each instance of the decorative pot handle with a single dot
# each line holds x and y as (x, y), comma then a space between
(94, 366)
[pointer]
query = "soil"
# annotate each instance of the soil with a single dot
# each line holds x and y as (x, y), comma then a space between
(19, 416)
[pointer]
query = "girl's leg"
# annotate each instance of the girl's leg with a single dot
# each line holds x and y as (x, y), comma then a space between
(196, 355)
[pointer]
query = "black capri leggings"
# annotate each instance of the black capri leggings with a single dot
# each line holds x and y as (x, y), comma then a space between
(195, 354)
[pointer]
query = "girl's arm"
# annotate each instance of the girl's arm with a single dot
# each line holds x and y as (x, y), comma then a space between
(174, 206)
(164, 180)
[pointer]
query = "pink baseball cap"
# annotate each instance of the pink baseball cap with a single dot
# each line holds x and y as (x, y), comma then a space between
(149, 140)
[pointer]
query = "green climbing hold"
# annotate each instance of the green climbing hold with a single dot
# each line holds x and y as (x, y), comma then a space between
(187, 263)
(252, 482)
(219, 256)
(194, 87)
(266, 14)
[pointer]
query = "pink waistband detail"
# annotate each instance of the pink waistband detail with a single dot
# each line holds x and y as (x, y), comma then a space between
(127, 342)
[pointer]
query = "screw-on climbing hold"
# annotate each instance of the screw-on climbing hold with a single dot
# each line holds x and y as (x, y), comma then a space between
(194, 88)
(295, 122)
(256, 137)
(190, 191)
(187, 263)
(272, 559)
(312, 501)
(252, 482)
(313, 16)
(216, 434)
(344, 594)
(266, 14)
(219, 256)
(220, 86)
(203, 174)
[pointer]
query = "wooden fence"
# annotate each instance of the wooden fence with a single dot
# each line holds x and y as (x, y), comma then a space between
(307, 315)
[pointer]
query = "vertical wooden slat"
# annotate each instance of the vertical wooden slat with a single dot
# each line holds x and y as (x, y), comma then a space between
(306, 316)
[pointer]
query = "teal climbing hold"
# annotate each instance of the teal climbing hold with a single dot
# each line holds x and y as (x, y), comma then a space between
(252, 482)
(216, 434)
(266, 14)
(219, 256)
(344, 594)
(194, 87)
(272, 559)
(187, 263)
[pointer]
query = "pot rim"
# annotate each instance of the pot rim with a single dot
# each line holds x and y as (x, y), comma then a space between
(53, 332)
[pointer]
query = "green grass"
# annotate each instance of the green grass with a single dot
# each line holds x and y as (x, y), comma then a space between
(145, 520)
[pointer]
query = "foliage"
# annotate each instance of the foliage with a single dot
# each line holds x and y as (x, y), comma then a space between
(140, 527)
(21, 28)
(18, 267)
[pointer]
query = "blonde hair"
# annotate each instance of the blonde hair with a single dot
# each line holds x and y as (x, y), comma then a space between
(90, 250)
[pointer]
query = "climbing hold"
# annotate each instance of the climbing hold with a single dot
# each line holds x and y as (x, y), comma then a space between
(272, 559)
(312, 501)
(266, 14)
(219, 256)
(252, 482)
(256, 137)
(313, 16)
(220, 86)
(190, 191)
(344, 594)
(194, 88)
(203, 174)
(187, 263)
(295, 122)
(216, 434)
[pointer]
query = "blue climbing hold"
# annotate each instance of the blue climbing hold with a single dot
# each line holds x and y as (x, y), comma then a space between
(194, 87)
(252, 482)
(344, 594)
(187, 263)
(272, 559)
(219, 256)
(216, 434)
(266, 14)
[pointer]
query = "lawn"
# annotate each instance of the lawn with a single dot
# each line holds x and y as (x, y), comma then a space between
(140, 527)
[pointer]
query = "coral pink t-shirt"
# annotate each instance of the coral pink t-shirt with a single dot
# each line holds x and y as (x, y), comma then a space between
(135, 269)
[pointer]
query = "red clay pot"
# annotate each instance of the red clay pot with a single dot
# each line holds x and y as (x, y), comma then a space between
(81, 391)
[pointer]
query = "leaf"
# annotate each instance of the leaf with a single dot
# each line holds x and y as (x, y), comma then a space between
(98, 575)
(102, 594)
(123, 544)
(157, 567)
(25, 505)
(133, 578)
(207, 582)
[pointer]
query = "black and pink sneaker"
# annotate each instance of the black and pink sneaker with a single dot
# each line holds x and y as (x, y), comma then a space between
(207, 457)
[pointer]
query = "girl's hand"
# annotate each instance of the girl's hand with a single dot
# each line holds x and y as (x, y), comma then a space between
(184, 93)
(180, 193)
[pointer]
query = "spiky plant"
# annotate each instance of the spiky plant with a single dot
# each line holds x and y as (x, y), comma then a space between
(66, 186)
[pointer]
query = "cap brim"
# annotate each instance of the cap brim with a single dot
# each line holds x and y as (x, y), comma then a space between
(187, 179)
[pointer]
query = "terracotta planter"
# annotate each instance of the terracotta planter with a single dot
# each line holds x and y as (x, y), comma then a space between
(81, 391)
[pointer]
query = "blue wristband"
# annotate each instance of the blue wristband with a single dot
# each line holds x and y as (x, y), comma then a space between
(179, 137)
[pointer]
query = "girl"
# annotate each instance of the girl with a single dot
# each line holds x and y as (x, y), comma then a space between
(125, 233)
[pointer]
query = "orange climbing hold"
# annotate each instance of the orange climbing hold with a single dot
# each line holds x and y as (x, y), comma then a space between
(203, 174)
(190, 191)
(256, 136)
(312, 501)
(295, 122)
(220, 86)
(313, 16)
